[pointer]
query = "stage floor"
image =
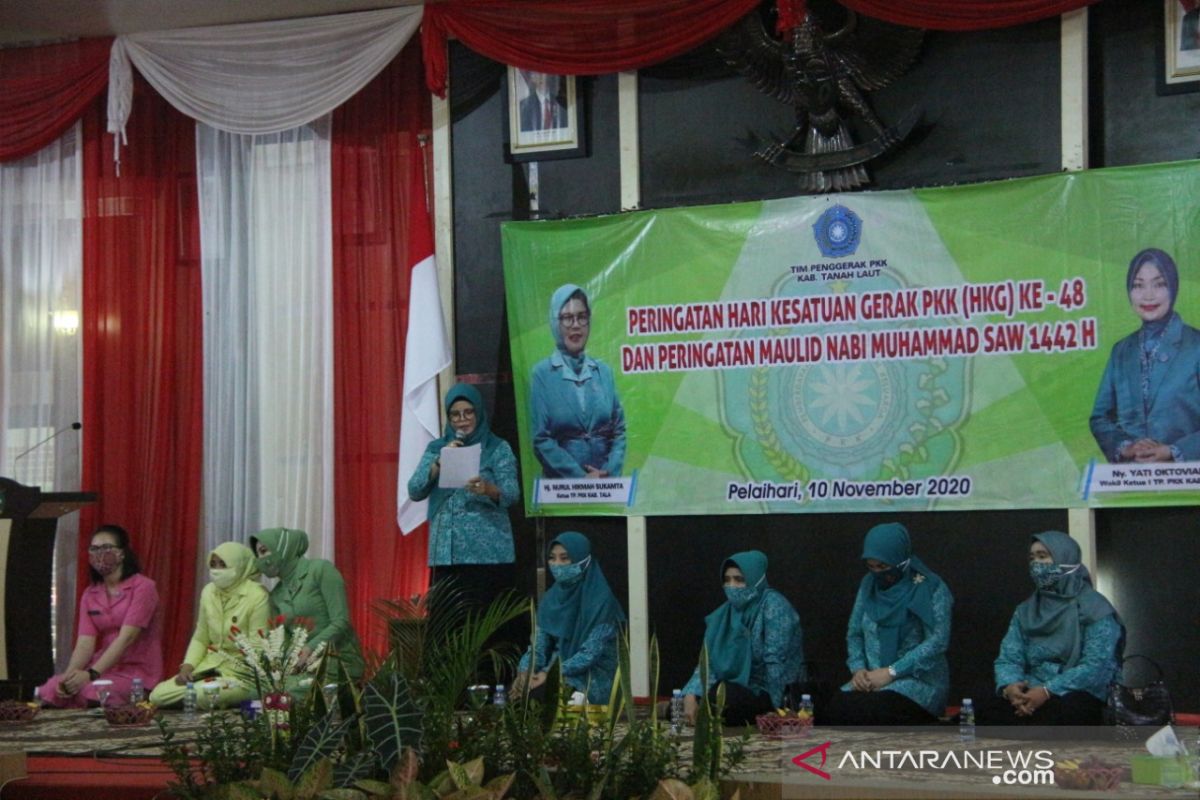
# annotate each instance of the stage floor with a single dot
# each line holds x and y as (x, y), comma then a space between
(77, 754)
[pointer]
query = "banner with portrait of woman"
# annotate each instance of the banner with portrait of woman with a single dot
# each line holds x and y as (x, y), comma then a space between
(1022, 344)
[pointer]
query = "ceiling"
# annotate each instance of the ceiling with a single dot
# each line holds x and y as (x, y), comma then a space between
(34, 21)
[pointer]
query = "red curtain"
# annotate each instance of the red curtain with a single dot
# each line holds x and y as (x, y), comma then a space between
(573, 37)
(142, 371)
(43, 90)
(963, 15)
(378, 230)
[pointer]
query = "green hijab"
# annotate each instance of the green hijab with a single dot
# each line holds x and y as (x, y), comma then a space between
(571, 611)
(727, 630)
(889, 607)
(482, 435)
(287, 547)
(1053, 617)
(240, 560)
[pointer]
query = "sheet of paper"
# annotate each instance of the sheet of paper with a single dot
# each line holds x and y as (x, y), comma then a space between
(459, 464)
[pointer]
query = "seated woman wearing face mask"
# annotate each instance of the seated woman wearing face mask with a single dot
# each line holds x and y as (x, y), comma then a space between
(1063, 646)
(232, 597)
(311, 588)
(578, 621)
(897, 639)
(754, 644)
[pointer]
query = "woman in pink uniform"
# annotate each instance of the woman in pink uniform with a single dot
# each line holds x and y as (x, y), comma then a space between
(120, 628)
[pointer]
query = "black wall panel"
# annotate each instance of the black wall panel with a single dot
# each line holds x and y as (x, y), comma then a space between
(1131, 122)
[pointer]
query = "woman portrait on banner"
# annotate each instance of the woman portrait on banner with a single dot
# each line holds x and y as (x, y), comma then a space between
(578, 423)
(897, 639)
(1147, 408)
(470, 535)
(232, 597)
(754, 644)
(1063, 645)
(578, 622)
(120, 627)
(311, 589)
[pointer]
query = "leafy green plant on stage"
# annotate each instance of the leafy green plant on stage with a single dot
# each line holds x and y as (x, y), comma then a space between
(414, 731)
(441, 646)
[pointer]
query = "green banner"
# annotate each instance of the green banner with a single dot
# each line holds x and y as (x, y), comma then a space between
(1024, 344)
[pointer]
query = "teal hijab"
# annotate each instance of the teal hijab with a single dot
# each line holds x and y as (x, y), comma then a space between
(571, 611)
(727, 630)
(1053, 617)
(889, 607)
(560, 298)
(482, 435)
(287, 547)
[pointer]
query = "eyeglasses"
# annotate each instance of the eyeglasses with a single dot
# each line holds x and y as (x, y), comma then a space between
(572, 320)
(466, 413)
(102, 548)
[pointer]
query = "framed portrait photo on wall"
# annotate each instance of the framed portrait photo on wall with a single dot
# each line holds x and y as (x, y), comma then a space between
(1180, 45)
(545, 119)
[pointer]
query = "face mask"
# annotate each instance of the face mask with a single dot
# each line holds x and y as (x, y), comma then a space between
(1044, 575)
(890, 577)
(222, 578)
(566, 574)
(106, 562)
(740, 596)
(268, 565)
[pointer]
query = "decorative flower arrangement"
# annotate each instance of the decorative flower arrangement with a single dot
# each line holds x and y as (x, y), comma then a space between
(273, 655)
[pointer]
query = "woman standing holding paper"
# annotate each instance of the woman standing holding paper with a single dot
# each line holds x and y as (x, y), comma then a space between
(470, 536)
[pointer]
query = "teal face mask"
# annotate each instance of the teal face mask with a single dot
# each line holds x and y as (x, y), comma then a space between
(740, 596)
(1044, 575)
(567, 574)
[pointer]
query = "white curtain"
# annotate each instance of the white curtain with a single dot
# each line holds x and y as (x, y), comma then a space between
(265, 240)
(259, 77)
(41, 264)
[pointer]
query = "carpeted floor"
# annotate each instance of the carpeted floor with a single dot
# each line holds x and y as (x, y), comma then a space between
(58, 732)
(78, 754)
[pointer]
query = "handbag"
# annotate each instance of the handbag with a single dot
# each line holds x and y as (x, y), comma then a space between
(1131, 707)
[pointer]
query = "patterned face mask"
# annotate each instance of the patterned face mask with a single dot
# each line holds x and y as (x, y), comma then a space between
(568, 574)
(1044, 574)
(740, 596)
(106, 561)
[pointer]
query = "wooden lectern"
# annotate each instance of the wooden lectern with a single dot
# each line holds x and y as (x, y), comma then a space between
(28, 524)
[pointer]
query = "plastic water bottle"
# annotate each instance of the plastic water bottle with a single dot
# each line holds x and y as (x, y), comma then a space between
(966, 721)
(677, 712)
(137, 692)
(500, 698)
(189, 701)
(806, 705)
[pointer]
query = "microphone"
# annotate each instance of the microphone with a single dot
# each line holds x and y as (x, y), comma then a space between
(460, 435)
(74, 426)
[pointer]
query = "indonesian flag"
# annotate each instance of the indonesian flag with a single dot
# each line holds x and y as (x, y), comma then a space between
(426, 353)
(1189, 5)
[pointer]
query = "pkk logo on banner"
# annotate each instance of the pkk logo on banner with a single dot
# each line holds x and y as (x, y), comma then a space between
(859, 418)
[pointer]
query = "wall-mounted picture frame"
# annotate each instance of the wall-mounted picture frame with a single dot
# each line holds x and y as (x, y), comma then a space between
(545, 117)
(1180, 46)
